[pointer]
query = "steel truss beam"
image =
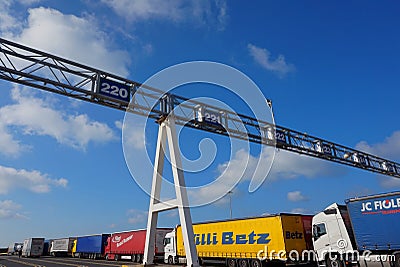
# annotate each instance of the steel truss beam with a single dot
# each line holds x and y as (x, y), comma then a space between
(27, 66)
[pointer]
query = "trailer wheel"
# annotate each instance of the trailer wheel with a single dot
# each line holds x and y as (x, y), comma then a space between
(397, 260)
(255, 263)
(243, 263)
(231, 263)
(133, 258)
(170, 260)
(116, 257)
(333, 260)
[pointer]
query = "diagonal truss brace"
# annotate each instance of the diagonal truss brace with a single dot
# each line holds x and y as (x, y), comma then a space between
(30, 67)
(167, 133)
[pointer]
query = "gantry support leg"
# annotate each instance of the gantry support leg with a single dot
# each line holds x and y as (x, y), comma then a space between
(167, 133)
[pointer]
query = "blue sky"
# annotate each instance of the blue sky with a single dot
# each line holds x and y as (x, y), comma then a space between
(331, 70)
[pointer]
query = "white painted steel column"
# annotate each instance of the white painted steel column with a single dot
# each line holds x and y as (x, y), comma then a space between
(181, 195)
(155, 196)
(167, 132)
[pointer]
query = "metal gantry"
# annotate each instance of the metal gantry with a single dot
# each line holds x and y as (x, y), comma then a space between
(27, 66)
(30, 67)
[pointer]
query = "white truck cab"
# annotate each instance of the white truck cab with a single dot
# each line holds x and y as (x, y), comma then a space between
(170, 256)
(332, 236)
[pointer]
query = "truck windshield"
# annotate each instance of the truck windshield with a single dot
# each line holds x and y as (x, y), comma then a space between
(167, 241)
(319, 230)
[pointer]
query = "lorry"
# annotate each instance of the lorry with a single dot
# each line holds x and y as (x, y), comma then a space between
(364, 232)
(46, 247)
(245, 242)
(33, 247)
(129, 245)
(91, 246)
(13, 248)
(4, 251)
(62, 247)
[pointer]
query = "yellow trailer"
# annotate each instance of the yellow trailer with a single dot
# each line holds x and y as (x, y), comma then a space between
(246, 242)
(73, 250)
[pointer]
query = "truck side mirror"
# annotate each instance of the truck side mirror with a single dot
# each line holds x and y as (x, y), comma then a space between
(315, 232)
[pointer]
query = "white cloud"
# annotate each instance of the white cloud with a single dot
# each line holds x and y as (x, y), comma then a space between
(286, 165)
(29, 2)
(137, 217)
(389, 182)
(242, 162)
(148, 49)
(263, 57)
(171, 213)
(223, 14)
(146, 9)
(299, 210)
(390, 147)
(8, 145)
(69, 36)
(134, 136)
(296, 196)
(173, 10)
(10, 210)
(33, 181)
(36, 116)
(8, 22)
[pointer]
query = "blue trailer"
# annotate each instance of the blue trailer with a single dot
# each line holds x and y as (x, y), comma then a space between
(91, 246)
(375, 221)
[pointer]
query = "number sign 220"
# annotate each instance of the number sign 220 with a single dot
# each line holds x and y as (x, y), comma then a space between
(113, 90)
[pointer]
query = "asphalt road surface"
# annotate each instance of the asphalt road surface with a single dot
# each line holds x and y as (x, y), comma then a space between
(14, 261)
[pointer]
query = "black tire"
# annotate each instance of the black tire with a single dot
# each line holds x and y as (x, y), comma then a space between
(116, 257)
(243, 263)
(231, 262)
(140, 258)
(397, 259)
(334, 260)
(170, 260)
(255, 263)
(106, 257)
(133, 258)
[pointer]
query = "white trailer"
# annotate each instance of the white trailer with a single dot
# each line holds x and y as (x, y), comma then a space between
(13, 248)
(33, 247)
(62, 247)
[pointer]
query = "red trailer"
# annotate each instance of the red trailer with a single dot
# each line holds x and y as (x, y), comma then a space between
(129, 245)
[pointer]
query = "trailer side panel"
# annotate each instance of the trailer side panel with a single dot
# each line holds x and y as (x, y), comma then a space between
(375, 220)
